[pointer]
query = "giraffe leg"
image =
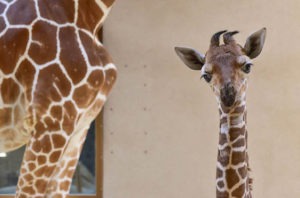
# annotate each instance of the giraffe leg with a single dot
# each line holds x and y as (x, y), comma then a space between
(39, 162)
(49, 170)
(60, 183)
(51, 156)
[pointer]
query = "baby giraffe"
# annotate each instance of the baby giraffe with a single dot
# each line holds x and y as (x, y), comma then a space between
(225, 68)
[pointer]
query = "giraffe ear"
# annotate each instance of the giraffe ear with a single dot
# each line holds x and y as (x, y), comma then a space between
(190, 57)
(255, 43)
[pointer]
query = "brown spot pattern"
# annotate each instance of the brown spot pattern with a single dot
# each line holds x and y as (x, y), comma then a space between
(40, 129)
(2, 7)
(64, 185)
(74, 61)
(28, 176)
(56, 112)
(10, 91)
(239, 143)
(96, 79)
(231, 177)
(54, 156)
(2, 24)
(220, 184)
(238, 157)
(41, 185)
(58, 141)
(97, 54)
(41, 160)
(43, 49)
(111, 76)
(5, 116)
(52, 125)
(26, 7)
(44, 171)
(57, 86)
(219, 173)
(31, 166)
(28, 190)
(236, 132)
(70, 114)
(239, 192)
(60, 11)
(243, 172)
(26, 80)
(46, 144)
(29, 156)
(88, 22)
(13, 39)
(83, 96)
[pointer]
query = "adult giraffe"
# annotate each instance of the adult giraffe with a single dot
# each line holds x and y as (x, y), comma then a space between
(226, 67)
(55, 76)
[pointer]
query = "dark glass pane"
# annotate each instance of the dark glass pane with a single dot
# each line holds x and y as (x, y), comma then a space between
(84, 177)
(9, 171)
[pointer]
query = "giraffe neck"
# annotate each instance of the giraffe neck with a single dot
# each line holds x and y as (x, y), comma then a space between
(92, 13)
(232, 167)
(87, 15)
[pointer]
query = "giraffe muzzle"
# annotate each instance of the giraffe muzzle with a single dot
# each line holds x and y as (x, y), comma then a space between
(228, 95)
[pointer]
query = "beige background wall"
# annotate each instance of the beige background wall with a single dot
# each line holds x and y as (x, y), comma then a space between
(161, 121)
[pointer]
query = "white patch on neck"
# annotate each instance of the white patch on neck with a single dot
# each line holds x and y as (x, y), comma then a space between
(224, 128)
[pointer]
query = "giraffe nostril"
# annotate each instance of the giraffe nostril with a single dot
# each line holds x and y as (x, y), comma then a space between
(228, 95)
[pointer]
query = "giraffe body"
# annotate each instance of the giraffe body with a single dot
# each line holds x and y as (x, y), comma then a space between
(54, 79)
(225, 67)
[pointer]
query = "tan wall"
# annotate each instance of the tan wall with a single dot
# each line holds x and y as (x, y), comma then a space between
(161, 121)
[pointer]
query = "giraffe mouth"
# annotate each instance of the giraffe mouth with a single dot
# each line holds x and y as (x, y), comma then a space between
(228, 95)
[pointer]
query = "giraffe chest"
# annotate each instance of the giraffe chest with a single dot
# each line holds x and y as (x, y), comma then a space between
(53, 73)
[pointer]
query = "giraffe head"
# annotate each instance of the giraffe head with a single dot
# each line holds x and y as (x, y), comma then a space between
(225, 67)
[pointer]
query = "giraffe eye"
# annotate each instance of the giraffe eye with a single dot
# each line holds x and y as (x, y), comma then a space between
(247, 68)
(207, 77)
